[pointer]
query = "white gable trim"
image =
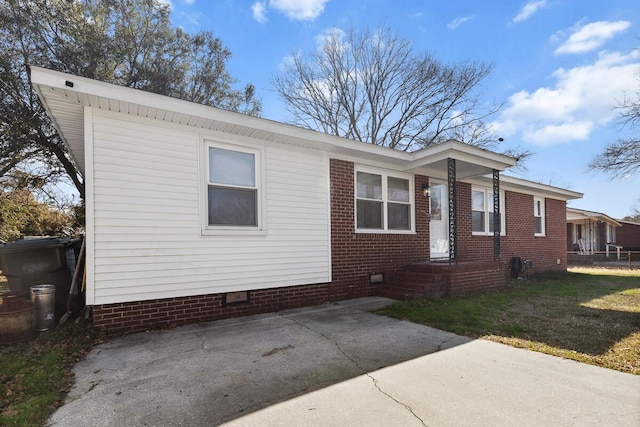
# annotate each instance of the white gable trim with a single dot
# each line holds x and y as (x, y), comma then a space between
(89, 207)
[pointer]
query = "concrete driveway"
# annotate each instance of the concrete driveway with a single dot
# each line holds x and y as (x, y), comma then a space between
(336, 364)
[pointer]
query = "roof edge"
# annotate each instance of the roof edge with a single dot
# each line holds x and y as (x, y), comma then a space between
(536, 187)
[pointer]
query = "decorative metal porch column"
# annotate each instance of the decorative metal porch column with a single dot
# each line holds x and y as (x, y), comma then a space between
(496, 214)
(453, 233)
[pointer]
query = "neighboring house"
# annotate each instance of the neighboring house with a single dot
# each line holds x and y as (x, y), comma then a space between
(589, 232)
(628, 235)
(195, 213)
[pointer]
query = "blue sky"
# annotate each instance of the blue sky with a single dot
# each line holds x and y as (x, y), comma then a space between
(559, 67)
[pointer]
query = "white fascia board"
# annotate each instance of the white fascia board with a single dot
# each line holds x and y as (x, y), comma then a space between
(80, 90)
(536, 188)
(121, 94)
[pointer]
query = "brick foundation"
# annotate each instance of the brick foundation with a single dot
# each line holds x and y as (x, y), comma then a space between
(169, 312)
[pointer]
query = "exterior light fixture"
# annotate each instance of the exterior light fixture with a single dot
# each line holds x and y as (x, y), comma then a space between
(426, 190)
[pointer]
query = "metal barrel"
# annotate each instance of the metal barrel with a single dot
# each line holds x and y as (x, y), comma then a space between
(17, 318)
(44, 298)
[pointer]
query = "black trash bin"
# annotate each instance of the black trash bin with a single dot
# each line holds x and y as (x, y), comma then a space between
(38, 261)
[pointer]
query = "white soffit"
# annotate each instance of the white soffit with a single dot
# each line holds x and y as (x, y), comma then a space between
(470, 161)
(65, 97)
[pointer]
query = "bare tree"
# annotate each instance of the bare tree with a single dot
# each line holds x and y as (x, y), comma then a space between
(126, 42)
(372, 87)
(622, 158)
(634, 216)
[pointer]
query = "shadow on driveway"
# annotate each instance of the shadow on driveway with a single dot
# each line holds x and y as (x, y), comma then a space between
(337, 364)
(210, 373)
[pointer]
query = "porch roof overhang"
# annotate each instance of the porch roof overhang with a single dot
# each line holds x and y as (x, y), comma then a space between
(530, 187)
(470, 161)
(579, 215)
(65, 98)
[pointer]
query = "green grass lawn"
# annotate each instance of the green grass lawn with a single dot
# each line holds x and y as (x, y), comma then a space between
(36, 375)
(588, 315)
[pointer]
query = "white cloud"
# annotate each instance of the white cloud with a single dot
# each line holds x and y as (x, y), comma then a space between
(529, 9)
(330, 34)
(592, 36)
(303, 10)
(548, 135)
(287, 62)
(580, 101)
(170, 4)
(193, 18)
(458, 21)
(258, 9)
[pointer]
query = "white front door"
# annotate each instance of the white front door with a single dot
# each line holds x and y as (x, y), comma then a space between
(439, 224)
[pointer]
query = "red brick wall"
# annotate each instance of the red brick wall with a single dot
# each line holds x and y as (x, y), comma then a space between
(444, 280)
(628, 236)
(168, 312)
(519, 240)
(355, 256)
(476, 277)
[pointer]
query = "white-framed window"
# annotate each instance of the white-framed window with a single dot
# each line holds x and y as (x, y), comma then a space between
(233, 194)
(538, 216)
(482, 221)
(384, 202)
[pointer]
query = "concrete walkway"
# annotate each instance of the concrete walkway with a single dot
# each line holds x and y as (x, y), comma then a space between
(337, 364)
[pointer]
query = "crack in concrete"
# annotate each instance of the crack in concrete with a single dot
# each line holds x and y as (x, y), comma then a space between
(407, 407)
(355, 362)
(352, 360)
(203, 341)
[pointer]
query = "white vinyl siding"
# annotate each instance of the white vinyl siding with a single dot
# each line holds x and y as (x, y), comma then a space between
(147, 204)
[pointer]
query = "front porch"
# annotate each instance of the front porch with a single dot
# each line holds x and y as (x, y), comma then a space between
(444, 279)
